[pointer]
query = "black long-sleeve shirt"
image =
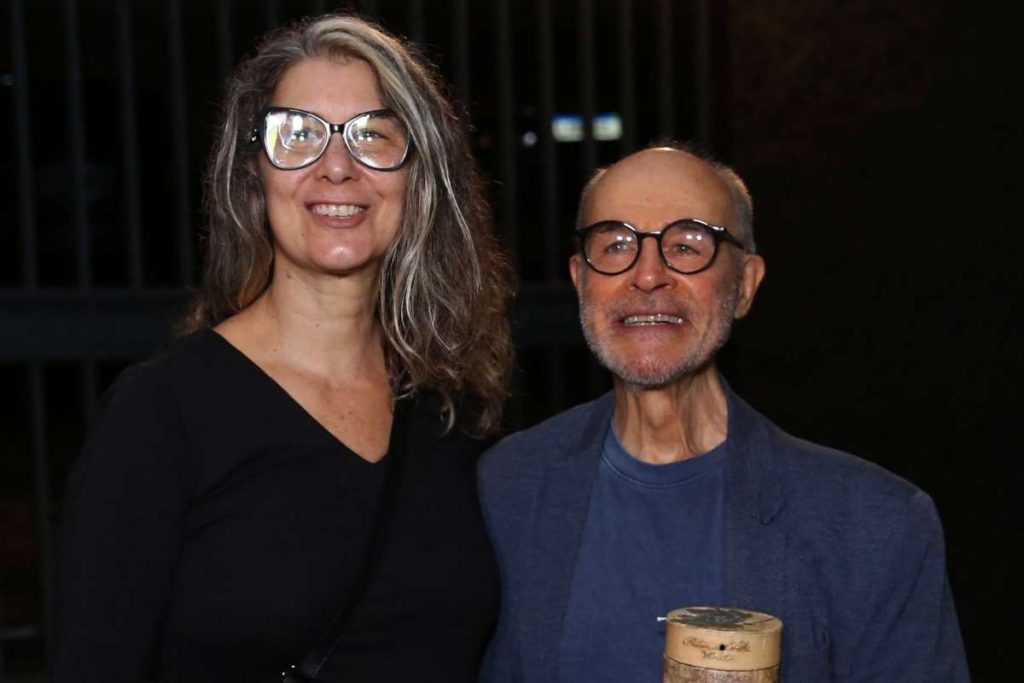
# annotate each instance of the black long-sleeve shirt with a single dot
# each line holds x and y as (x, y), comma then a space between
(214, 528)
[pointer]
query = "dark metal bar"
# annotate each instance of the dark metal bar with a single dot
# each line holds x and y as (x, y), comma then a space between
(554, 358)
(462, 75)
(548, 159)
(514, 408)
(598, 379)
(417, 20)
(2, 632)
(179, 142)
(507, 123)
(23, 148)
(76, 129)
(41, 476)
(703, 63)
(666, 89)
(89, 387)
(546, 316)
(225, 39)
(129, 142)
(58, 324)
(587, 84)
(627, 80)
(68, 325)
(587, 96)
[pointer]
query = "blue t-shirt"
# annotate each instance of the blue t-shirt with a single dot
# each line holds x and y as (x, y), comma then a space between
(653, 541)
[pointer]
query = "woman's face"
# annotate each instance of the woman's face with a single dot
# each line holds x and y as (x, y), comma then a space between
(336, 216)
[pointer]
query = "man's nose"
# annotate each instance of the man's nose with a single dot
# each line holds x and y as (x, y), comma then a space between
(650, 272)
(337, 164)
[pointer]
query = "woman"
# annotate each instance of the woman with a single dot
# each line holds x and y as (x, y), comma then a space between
(305, 451)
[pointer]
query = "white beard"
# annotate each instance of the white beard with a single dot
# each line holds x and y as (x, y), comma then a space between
(654, 372)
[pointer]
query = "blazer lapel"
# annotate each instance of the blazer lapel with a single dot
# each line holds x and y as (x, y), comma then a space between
(560, 513)
(755, 546)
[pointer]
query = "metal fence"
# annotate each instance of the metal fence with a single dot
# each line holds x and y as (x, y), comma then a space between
(107, 109)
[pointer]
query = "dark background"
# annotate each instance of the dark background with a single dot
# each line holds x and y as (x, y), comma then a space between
(882, 144)
(879, 140)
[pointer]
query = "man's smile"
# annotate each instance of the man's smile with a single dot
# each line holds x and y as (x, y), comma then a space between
(652, 319)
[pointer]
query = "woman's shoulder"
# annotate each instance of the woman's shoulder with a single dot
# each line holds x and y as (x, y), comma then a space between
(182, 395)
(189, 363)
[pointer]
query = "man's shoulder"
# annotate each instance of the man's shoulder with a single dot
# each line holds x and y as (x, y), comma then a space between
(800, 463)
(534, 445)
(827, 487)
(811, 465)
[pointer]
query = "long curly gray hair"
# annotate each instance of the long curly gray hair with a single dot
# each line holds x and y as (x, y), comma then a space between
(444, 284)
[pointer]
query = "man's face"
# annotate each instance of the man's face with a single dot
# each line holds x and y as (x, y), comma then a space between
(651, 325)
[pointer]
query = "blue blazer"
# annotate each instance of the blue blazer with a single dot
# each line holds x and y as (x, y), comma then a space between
(848, 555)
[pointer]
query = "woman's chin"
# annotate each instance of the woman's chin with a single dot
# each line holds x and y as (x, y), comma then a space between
(333, 262)
(350, 266)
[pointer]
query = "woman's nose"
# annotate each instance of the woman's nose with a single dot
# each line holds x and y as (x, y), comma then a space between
(337, 164)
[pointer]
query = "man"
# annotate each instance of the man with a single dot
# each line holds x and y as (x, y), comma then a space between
(671, 491)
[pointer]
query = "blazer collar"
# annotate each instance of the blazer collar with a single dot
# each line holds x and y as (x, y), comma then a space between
(751, 474)
(755, 548)
(563, 498)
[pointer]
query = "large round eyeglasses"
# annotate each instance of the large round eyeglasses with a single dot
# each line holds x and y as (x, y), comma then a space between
(293, 138)
(686, 246)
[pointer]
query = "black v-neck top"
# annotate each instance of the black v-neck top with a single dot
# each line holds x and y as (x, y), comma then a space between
(214, 527)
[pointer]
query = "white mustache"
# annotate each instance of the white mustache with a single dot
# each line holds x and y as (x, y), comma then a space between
(648, 307)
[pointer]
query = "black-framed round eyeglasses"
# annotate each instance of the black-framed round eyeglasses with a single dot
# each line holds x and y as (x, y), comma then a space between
(294, 138)
(687, 246)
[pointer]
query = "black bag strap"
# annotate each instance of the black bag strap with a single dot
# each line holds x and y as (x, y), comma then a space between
(309, 668)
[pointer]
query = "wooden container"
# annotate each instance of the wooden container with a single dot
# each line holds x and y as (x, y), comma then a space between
(721, 645)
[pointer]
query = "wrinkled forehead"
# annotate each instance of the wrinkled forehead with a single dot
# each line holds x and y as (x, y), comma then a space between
(655, 187)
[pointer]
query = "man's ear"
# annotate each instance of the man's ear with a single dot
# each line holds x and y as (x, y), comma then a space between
(574, 271)
(753, 272)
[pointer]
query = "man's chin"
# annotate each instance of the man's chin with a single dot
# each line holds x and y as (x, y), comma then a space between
(653, 376)
(651, 368)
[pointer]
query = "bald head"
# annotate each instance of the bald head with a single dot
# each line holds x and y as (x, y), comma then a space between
(669, 183)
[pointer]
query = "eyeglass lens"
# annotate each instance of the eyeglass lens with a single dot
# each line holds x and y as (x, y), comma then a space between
(613, 248)
(294, 139)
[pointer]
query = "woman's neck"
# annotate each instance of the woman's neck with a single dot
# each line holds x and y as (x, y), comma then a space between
(324, 327)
